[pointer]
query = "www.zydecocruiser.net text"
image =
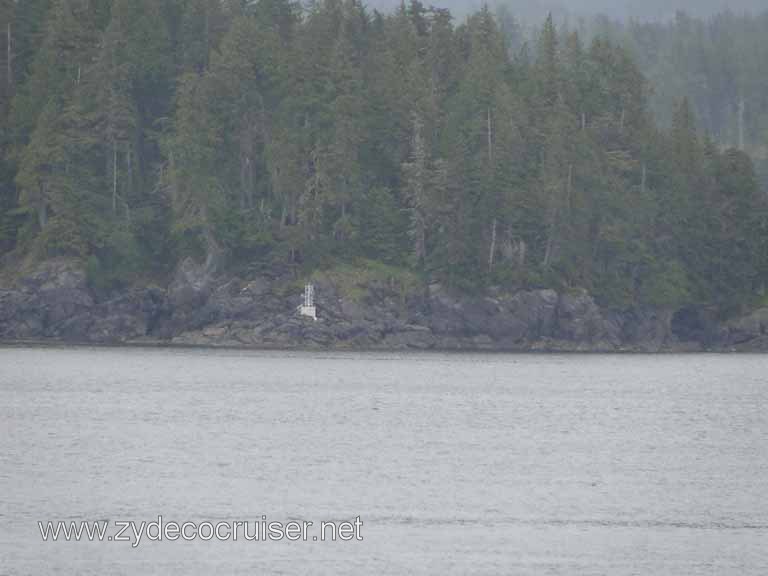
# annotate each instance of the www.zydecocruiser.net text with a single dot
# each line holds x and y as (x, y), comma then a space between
(263, 530)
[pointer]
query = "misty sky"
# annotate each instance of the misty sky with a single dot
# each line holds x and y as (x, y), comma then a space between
(642, 9)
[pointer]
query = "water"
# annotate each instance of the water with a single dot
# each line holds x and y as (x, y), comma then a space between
(456, 464)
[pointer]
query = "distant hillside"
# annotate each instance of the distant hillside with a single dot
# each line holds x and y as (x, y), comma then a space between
(267, 139)
(536, 10)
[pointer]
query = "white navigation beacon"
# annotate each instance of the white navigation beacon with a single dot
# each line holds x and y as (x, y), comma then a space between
(308, 307)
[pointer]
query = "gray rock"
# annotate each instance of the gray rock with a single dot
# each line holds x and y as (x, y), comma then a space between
(421, 339)
(46, 302)
(759, 344)
(749, 327)
(191, 286)
(13, 303)
(77, 328)
(580, 320)
(63, 292)
(233, 301)
(445, 312)
(648, 329)
(201, 307)
(526, 316)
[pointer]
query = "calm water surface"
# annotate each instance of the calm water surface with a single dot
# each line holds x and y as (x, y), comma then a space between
(457, 464)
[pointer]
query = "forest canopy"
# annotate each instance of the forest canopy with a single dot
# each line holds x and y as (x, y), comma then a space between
(270, 135)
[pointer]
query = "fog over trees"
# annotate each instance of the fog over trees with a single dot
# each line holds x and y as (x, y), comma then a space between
(534, 10)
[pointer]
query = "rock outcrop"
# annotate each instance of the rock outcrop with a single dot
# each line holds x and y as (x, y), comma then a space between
(749, 333)
(47, 303)
(55, 302)
(199, 307)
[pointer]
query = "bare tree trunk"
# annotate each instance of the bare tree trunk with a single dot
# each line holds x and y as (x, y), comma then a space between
(250, 185)
(492, 250)
(207, 36)
(42, 214)
(243, 182)
(129, 167)
(548, 251)
(9, 59)
(422, 242)
(248, 133)
(173, 180)
(42, 205)
(213, 250)
(419, 238)
(742, 107)
(550, 236)
(621, 120)
(114, 177)
(644, 179)
(490, 140)
(555, 216)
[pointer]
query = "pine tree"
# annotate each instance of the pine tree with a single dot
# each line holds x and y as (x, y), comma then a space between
(548, 64)
(347, 110)
(68, 46)
(203, 23)
(191, 172)
(417, 180)
(42, 108)
(27, 27)
(138, 132)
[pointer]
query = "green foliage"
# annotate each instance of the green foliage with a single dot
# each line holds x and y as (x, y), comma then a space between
(388, 149)
(117, 263)
(62, 237)
(355, 279)
(382, 227)
(245, 235)
(665, 285)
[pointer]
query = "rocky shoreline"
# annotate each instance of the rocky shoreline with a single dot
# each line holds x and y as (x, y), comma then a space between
(53, 303)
